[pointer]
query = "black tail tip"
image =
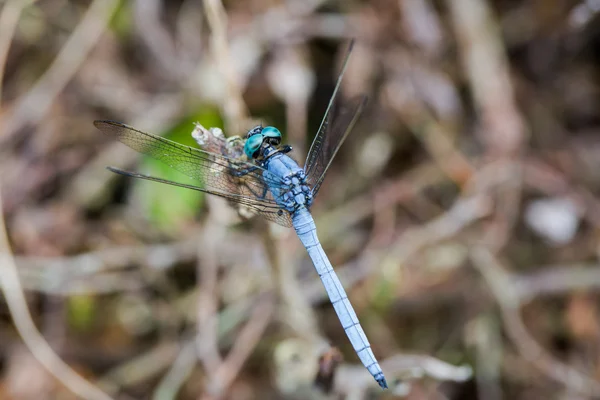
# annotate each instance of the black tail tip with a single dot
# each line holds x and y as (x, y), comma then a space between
(382, 382)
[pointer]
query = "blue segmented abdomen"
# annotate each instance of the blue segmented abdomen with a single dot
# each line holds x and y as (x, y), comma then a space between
(307, 232)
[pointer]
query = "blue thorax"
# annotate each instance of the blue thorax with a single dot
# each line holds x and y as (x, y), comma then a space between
(263, 145)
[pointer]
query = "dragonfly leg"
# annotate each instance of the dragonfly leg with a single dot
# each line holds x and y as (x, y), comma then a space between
(238, 173)
(277, 194)
(260, 196)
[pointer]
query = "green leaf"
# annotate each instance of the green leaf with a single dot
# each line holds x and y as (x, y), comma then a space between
(81, 311)
(383, 295)
(121, 21)
(170, 208)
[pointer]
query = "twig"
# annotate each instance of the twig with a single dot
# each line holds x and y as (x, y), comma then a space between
(141, 368)
(463, 213)
(17, 305)
(207, 269)
(235, 112)
(553, 279)
(296, 310)
(438, 143)
(416, 365)
(293, 82)
(234, 106)
(344, 216)
(101, 271)
(489, 350)
(503, 130)
(149, 364)
(32, 107)
(157, 257)
(352, 381)
(180, 370)
(9, 18)
(299, 21)
(93, 271)
(422, 26)
(221, 373)
(508, 300)
(147, 15)
(245, 342)
(486, 64)
(190, 34)
(104, 283)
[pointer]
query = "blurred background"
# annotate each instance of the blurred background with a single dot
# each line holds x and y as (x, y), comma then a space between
(461, 214)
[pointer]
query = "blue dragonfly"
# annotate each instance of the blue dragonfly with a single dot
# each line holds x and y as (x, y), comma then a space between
(271, 184)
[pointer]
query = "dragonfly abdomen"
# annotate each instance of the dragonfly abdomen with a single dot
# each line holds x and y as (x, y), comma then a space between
(307, 232)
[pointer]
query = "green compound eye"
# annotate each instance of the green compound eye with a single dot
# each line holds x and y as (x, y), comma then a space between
(252, 145)
(271, 132)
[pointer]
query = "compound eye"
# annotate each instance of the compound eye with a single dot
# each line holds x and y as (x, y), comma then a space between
(254, 131)
(271, 132)
(252, 145)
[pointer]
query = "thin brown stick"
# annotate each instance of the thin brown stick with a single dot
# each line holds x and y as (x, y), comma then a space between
(463, 213)
(9, 18)
(153, 33)
(234, 106)
(556, 279)
(41, 350)
(207, 340)
(139, 369)
(484, 59)
(178, 373)
(437, 141)
(507, 297)
(157, 257)
(245, 343)
(489, 349)
(359, 208)
(502, 131)
(352, 381)
(34, 105)
(221, 373)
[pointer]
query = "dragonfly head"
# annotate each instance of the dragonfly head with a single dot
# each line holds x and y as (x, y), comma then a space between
(260, 138)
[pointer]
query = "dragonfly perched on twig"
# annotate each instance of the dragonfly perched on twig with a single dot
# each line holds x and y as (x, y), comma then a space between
(271, 184)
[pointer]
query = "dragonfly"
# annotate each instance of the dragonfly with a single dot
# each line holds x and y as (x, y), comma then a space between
(270, 183)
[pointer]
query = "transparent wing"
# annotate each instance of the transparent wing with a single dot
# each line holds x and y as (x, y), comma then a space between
(337, 123)
(272, 213)
(238, 181)
(331, 141)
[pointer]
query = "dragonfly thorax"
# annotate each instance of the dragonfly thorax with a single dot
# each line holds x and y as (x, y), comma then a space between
(294, 191)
